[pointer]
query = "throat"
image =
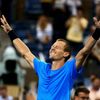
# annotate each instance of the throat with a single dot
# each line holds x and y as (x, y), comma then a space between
(57, 64)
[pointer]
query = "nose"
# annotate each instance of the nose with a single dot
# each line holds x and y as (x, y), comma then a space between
(52, 49)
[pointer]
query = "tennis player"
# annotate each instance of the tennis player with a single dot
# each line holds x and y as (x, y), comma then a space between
(56, 79)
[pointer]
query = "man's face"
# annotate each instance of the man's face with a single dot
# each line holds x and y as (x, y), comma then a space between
(96, 83)
(57, 51)
(82, 96)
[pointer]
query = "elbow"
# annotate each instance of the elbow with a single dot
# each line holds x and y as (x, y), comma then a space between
(23, 53)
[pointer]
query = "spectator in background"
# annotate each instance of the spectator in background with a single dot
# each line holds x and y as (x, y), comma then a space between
(76, 26)
(81, 93)
(44, 32)
(97, 10)
(31, 94)
(94, 88)
(88, 80)
(59, 18)
(72, 5)
(94, 4)
(13, 73)
(4, 95)
(10, 60)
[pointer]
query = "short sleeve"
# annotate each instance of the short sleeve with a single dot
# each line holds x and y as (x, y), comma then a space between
(39, 65)
(84, 22)
(73, 69)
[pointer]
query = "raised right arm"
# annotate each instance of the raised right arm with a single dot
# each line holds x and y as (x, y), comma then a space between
(18, 43)
(24, 51)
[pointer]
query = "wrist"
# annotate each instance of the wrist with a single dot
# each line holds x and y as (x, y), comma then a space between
(10, 29)
(12, 35)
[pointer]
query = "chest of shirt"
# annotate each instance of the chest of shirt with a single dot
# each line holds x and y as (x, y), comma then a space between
(54, 79)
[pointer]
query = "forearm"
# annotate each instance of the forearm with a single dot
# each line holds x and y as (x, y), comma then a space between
(18, 43)
(89, 45)
(80, 57)
(20, 46)
(91, 41)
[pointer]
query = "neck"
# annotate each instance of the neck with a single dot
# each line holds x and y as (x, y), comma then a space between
(57, 64)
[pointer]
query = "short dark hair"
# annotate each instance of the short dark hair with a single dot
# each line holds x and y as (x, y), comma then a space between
(67, 47)
(81, 89)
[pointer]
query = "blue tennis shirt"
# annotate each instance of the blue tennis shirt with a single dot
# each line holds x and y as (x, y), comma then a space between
(55, 84)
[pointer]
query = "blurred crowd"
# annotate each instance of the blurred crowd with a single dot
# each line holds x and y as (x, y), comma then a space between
(39, 23)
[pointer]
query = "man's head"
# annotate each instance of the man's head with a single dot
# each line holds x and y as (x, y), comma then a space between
(96, 83)
(81, 93)
(3, 91)
(42, 21)
(60, 50)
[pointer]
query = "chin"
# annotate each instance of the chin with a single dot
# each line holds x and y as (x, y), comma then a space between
(51, 58)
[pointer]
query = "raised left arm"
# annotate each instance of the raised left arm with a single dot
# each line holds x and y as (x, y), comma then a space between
(82, 54)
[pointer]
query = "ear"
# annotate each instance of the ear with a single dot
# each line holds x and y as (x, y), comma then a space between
(66, 54)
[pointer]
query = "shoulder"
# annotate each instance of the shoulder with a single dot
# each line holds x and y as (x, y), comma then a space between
(36, 60)
(84, 21)
(40, 63)
(70, 62)
(72, 59)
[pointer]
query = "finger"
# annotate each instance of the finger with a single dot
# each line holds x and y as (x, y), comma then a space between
(4, 18)
(2, 21)
(2, 26)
